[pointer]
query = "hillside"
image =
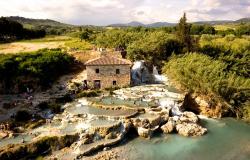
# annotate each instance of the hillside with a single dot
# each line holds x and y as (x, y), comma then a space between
(243, 20)
(34, 23)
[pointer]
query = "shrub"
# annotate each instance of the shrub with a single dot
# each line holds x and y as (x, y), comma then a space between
(40, 68)
(88, 94)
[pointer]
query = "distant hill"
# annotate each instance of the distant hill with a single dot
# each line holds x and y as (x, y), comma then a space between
(164, 24)
(130, 24)
(34, 23)
(41, 23)
(214, 22)
(137, 24)
(243, 20)
(161, 24)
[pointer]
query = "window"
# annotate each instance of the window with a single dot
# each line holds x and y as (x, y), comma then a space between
(117, 71)
(97, 71)
(114, 83)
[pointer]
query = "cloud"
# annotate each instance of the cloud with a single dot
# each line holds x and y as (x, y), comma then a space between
(218, 9)
(103, 12)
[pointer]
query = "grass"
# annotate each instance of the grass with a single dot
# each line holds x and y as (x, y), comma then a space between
(224, 27)
(78, 45)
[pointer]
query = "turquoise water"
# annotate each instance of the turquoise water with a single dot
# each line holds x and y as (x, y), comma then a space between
(117, 101)
(98, 111)
(227, 139)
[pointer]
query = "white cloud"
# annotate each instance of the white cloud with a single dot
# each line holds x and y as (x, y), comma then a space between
(218, 9)
(113, 11)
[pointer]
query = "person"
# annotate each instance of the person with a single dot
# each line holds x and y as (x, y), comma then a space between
(1, 127)
(7, 126)
(85, 85)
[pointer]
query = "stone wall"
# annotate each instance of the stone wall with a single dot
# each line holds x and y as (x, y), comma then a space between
(107, 74)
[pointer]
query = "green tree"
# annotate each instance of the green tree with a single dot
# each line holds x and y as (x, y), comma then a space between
(196, 29)
(154, 47)
(183, 33)
(208, 30)
(86, 34)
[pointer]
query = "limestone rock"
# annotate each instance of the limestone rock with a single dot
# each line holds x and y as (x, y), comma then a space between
(145, 123)
(127, 125)
(111, 135)
(189, 117)
(190, 129)
(169, 126)
(143, 132)
(87, 139)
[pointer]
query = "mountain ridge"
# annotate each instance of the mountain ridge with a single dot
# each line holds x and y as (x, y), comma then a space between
(166, 24)
(43, 22)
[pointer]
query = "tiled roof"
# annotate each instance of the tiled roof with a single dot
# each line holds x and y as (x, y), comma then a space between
(107, 60)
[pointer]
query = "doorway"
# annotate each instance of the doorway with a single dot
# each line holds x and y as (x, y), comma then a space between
(97, 84)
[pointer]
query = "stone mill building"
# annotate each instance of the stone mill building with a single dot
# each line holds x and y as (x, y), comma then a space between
(108, 71)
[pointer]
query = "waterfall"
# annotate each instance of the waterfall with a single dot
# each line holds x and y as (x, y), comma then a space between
(140, 74)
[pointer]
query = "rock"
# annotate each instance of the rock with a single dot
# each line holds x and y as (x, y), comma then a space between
(106, 148)
(155, 121)
(137, 122)
(87, 139)
(143, 132)
(141, 110)
(189, 117)
(156, 109)
(127, 124)
(190, 129)
(3, 135)
(111, 135)
(169, 126)
(145, 123)
(10, 135)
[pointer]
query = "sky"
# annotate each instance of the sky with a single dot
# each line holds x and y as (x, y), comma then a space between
(104, 12)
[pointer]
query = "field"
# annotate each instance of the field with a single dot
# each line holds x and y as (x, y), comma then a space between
(65, 42)
(224, 27)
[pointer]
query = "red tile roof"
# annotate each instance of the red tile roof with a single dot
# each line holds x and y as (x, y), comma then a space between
(107, 60)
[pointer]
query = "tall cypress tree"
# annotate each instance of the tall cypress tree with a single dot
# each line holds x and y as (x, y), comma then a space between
(183, 33)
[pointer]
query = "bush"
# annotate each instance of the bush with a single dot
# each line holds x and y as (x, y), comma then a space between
(33, 69)
(88, 94)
